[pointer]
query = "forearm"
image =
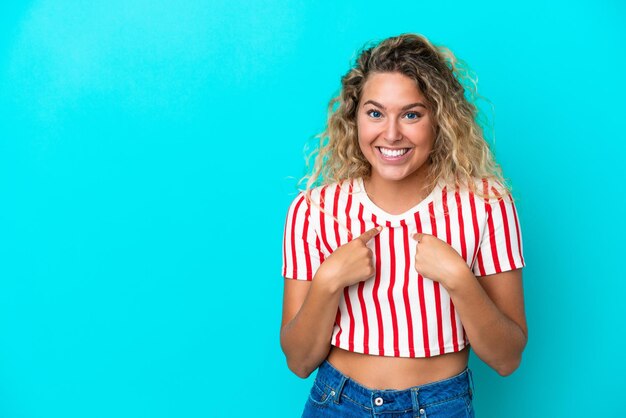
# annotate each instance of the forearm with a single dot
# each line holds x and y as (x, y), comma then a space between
(305, 340)
(495, 338)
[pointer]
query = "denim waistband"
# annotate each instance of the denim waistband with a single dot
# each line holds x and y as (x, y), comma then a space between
(387, 400)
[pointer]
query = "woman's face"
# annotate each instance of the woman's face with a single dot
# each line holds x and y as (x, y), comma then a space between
(395, 128)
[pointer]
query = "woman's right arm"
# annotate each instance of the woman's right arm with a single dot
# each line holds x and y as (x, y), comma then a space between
(309, 310)
(310, 307)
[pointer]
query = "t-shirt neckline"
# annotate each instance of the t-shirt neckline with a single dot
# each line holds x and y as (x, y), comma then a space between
(384, 217)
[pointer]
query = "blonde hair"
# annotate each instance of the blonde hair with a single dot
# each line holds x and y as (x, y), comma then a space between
(460, 153)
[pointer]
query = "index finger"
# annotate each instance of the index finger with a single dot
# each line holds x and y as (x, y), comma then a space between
(368, 235)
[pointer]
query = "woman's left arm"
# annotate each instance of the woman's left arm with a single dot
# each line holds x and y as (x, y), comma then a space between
(491, 307)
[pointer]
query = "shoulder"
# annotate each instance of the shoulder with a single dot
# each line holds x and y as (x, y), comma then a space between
(486, 189)
(319, 194)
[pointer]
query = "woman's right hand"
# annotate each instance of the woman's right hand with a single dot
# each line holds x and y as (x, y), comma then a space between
(349, 264)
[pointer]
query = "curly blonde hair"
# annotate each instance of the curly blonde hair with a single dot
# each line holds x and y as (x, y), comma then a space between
(460, 153)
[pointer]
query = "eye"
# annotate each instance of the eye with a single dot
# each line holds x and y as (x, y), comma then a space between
(374, 113)
(412, 115)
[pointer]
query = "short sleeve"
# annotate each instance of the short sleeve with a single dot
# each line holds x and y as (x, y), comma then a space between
(301, 246)
(501, 246)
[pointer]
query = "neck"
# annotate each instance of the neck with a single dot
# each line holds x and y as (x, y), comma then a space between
(396, 197)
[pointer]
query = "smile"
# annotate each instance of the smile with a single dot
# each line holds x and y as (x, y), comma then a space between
(393, 153)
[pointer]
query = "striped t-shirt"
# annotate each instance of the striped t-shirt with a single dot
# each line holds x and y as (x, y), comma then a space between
(397, 312)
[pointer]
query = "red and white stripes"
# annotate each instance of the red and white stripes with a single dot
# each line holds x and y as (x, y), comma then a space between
(397, 312)
(501, 248)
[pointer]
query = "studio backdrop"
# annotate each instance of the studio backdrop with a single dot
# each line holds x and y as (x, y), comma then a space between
(148, 154)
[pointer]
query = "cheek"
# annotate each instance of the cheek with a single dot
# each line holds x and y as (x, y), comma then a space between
(365, 149)
(366, 133)
(363, 136)
(423, 136)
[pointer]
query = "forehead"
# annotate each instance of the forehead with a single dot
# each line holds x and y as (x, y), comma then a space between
(393, 88)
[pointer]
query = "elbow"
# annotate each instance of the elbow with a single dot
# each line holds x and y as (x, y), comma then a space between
(507, 369)
(303, 362)
(504, 372)
(299, 370)
(301, 366)
(297, 366)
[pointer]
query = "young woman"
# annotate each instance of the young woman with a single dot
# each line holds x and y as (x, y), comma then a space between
(407, 251)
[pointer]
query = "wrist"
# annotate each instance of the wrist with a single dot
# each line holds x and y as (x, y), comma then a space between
(458, 277)
(327, 284)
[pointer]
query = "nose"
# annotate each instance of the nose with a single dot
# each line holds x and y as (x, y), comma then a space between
(392, 132)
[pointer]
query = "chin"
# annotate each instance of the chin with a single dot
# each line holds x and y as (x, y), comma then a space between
(393, 177)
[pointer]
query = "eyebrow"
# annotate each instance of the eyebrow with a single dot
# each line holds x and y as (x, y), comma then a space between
(409, 106)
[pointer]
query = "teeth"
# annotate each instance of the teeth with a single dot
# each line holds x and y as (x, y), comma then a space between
(393, 153)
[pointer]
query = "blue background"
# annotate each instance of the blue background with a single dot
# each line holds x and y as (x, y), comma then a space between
(149, 151)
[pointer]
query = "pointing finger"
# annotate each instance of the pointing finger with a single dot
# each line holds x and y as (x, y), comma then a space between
(368, 235)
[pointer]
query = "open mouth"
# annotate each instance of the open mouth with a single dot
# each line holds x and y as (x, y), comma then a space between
(393, 153)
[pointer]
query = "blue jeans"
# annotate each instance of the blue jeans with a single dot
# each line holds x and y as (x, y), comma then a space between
(335, 395)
